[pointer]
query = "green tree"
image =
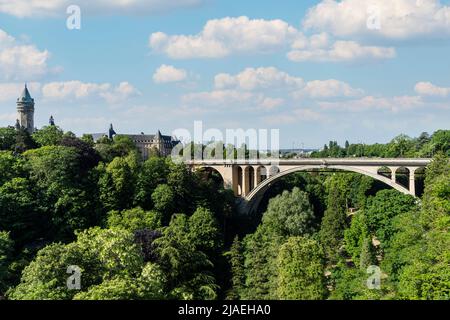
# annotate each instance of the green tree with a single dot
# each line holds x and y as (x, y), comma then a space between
(290, 214)
(154, 172)
(204, 231)
(440, 141)
(425, 273)
(6, 249)
(66, 190)
(23, 142)
(89, 139)
(102, 255)
(334, 221)
(134, 219)
(116, 185)
(7, 138)
(236, 259)
(351, 284)
(163, 199)
(123, 145)
(401, 146)
(48, 136)
(181, 181)
(19, 211)
(260, 251)
(355, 236)
(188, 269)
(11, 166)
(301, 270)
(368, 254)
(120, 146)
(382, 208)
(148, 286)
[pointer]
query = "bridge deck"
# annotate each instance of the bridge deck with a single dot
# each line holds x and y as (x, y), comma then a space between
(319, 161)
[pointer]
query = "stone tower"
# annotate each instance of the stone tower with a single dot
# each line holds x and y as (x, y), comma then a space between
(25, 110)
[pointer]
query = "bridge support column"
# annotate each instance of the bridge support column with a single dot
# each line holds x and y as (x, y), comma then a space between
(267, 168)
(245, 180)
(394, 174)
(257, 176)
(235, 180)
(412, 180)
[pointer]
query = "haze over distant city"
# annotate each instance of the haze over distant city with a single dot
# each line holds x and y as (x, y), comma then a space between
(317, 70)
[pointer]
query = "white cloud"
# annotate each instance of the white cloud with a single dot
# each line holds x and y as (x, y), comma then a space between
(265, 89)
(5, 39)
(74, 90)
(399, 19)
(165, 74)
(8, 117)
(367, 103)
(327, 89)
(9, 92)
(294, 116)
(218, 98)
(230, 99)
(120, 93)
(21, 61)
(257, 78)
(222, 37)
(44, 8)
(340, 51)
(270, 78)
(271, 103)
(86, 123)
(248, 90)
(429, 89)
(316, 41)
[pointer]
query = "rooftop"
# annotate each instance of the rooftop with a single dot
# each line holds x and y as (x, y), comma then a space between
(25, 96)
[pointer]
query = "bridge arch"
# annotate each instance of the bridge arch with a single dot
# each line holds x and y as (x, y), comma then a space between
(249, 185)
(261, 188)
(211, 174)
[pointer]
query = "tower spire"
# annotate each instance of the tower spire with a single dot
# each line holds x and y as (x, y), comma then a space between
(111, 132)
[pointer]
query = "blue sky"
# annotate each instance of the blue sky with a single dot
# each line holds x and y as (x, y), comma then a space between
(316, 70)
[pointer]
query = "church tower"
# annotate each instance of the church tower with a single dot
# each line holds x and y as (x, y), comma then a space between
(25, 110)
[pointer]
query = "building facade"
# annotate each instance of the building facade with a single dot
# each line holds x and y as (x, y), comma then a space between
(147, 144)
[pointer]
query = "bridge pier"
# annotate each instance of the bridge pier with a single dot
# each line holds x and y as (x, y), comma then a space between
(256, 176)
(412, 180)
(394, 174)
(245, 180)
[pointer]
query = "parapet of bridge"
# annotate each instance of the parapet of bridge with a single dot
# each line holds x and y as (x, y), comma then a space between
(249, 179)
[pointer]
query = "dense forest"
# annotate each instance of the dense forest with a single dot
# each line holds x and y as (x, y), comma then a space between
(402, 146)
(155, 230)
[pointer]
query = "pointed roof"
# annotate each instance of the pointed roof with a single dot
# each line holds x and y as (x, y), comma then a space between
(111, 131)
(25, 96)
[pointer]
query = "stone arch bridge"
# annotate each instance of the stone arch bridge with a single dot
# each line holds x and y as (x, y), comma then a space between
(249, 179)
